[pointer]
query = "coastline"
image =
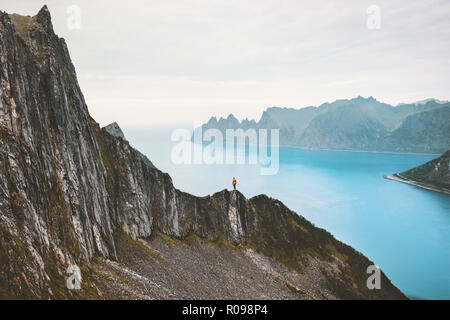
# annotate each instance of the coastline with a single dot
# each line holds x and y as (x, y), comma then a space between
(397, 177)
(362, 151)
(352, 150)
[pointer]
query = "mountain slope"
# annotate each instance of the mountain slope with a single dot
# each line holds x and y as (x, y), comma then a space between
(74, 196)
(350, 126)
(426, 131)
(433, 175)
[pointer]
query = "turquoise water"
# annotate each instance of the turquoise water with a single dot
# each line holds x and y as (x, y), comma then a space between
(403, 229)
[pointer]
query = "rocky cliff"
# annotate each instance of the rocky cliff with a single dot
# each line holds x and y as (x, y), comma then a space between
(71, 194)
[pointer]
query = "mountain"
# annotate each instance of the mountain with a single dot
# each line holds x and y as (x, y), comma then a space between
(74, 197)
(433, 175)
(359, 124)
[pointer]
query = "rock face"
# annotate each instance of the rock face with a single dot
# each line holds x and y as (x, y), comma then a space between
(72, 194)
(433, 175)
(114, 130)
(357, 124)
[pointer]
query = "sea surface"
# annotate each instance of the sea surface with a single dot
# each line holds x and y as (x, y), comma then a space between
(403, 229)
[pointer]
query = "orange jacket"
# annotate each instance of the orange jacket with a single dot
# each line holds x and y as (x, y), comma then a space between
(234, 181)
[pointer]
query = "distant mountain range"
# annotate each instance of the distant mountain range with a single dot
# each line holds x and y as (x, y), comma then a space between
(360, 124)
(433, 175)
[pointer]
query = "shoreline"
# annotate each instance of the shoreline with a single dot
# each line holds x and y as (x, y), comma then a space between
(397, 177)
(362, 151)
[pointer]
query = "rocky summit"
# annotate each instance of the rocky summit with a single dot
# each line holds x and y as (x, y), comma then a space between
(75, 197)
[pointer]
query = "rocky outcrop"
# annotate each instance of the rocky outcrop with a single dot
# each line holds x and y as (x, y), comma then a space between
(114, 130)
(70, 192)
(433, 175)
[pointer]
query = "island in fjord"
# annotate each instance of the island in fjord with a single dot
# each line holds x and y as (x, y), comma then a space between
(433, 175)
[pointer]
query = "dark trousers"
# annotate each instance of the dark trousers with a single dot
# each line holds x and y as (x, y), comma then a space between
(234, 186)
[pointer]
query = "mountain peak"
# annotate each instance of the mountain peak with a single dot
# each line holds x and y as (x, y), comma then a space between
(114, 130)
(45, 19)
(361, 99)
(23, 24)
(44, 11)
(212, 120)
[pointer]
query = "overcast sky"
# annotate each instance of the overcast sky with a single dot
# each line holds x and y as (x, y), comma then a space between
(161, 61)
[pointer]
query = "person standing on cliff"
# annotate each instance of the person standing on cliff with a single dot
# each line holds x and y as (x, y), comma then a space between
(234, 183)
